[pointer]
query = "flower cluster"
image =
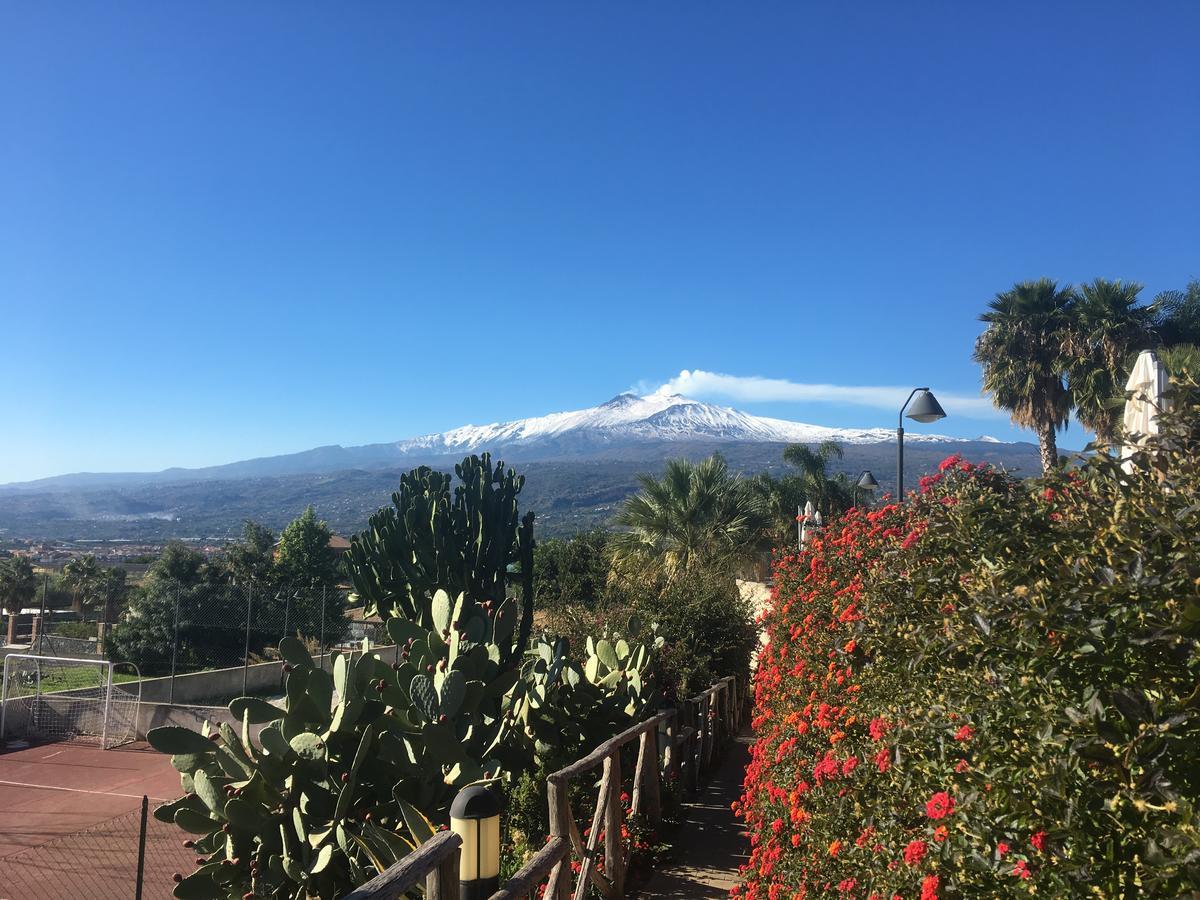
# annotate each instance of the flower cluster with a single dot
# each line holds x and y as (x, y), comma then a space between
(948, 683)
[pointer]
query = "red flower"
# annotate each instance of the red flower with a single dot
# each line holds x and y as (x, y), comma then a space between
(939, 805)
(965, 733)
(1039, 841)
(941, 833)
(1002, 848)
(878, 728)
(950, 462)
(883, 759)
(961, 766)
(915, 852)
(929, 886)
(1021, 869)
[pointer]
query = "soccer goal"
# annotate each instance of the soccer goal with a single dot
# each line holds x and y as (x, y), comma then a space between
(55, 698)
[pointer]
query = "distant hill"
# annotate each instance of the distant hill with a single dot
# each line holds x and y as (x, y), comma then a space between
(579, 466)
(624, 427)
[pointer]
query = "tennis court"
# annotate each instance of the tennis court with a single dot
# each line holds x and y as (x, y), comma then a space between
(70, 820)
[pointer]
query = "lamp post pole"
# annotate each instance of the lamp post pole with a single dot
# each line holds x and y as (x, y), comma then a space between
(926, 409)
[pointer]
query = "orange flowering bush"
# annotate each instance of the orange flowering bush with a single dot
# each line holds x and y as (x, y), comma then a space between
(988, 691)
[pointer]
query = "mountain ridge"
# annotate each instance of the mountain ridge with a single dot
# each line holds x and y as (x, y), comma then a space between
(626, 420)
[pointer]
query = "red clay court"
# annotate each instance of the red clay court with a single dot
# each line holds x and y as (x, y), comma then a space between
(70, 817)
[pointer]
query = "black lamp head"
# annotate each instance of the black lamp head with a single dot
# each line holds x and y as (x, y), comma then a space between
(925, 408)
(867, 481)
(475, 802)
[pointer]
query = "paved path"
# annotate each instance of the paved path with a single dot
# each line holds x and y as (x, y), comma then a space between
(710, 843)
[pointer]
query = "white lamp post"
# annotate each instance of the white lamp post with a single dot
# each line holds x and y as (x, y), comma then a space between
(475, 817)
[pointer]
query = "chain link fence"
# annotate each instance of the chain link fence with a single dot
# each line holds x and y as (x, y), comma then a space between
(171, 630)
(130, 856)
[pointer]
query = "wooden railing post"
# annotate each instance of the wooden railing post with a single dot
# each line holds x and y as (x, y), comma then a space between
(442, 883)
(560, 827)
(670, 751)
(646, 779)
(614, 815)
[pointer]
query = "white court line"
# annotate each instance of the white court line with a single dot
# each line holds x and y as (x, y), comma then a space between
(52, 755)
(52, 787)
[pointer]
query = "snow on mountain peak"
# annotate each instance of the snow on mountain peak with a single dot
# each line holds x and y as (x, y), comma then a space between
(629, 417)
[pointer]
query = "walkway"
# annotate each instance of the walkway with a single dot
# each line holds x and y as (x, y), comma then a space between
(710, 843)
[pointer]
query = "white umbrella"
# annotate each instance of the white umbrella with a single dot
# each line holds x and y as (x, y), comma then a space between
(1146, 388)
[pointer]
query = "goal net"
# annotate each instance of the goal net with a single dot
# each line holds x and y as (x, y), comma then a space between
(54, 698)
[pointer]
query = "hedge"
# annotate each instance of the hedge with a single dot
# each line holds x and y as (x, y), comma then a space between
(991, 691)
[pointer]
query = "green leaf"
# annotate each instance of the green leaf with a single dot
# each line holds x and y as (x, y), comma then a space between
(256, 708)
(198, 886)
(454, 688)
(293, 651)
(419, 826)
(177, 740)
(195, 822)
(208, 791)
(424, 697)
(440, 610)
(308, 746)
(607, 654)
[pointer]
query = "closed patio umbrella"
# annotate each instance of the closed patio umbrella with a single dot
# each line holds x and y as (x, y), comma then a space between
(1146, 391)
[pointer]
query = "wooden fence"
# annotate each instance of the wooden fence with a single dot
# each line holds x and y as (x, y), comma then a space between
(678, 744)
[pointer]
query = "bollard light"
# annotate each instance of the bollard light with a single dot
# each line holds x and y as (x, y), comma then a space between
(475, 817)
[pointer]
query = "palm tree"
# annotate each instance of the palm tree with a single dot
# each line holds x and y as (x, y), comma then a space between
(1181, 360)
(18, 585)
(823, 491)
(1106, 327)
(1021, 352)
(696, 514)
(81, 576)
(1177, 315)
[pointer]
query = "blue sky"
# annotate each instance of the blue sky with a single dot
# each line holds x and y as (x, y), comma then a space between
(230, 230)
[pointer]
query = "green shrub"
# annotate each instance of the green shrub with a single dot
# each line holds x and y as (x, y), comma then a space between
(707, 627)
(990, 692)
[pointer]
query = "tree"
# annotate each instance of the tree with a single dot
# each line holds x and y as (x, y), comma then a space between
(779, 498)
(18, 585)
(1106, 327)
(180, 564)
(252, 558)
(572, 570)
(305, 558)
(110, 591)
(81, 576)
(697, 513)
(1177, 316)
(829, 495)
(1022, 354)
(1181, 360)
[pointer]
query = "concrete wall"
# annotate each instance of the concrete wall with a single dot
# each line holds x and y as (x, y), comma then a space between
(222, 685)
(153, 715)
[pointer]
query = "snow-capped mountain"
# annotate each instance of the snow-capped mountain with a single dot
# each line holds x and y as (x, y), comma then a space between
(580, 466)
(627, 426)
(631, 418)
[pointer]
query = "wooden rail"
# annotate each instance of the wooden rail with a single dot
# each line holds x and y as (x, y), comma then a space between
(435, 863)
(691, 735)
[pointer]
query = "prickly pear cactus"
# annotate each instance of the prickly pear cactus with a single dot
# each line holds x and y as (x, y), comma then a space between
(469, 541)
(566, 709)
(331, 791)
(345, 779)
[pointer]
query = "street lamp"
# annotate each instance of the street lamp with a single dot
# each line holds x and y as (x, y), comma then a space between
(865, 482)
(925, 409)
(475, 817)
